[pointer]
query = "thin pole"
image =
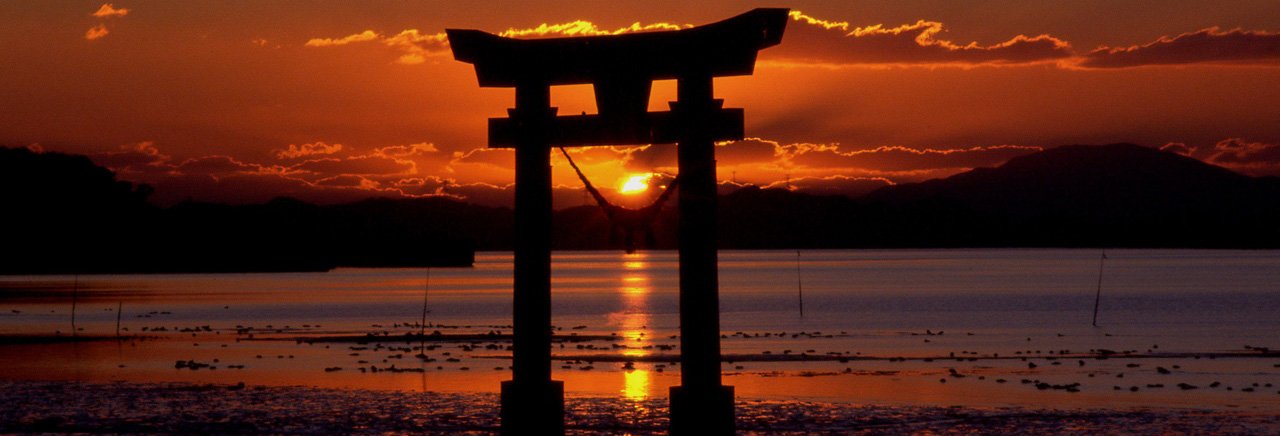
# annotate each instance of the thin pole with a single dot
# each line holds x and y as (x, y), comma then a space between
(426, 289)
(422, 328)
(119, 307)
(1097, 297)
(799, 284)
(75, 291)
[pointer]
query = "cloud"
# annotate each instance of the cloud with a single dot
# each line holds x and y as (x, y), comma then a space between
(141, 157)
(898, 158)
(403, 151)
(217, 166)
(107, 11)
(414, 45)
(499, 157)
(1252, 158)
(586, 28)
(833, 185)
(315, 148)
(747, 151)
(1209, 45)
(96, 32)
(816, 41)
(334, 178)
(356, 165)
(367, 35)
(1178, 148)
(349, 181)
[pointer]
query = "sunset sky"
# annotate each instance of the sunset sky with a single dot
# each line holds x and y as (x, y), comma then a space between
(328, 101)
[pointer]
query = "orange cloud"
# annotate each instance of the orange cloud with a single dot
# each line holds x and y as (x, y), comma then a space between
(107, 10)
(142, 157)
(1209, 45)
(898, 158)
(586, 28)
(1253, 158)
(817, 41)
(96, 32)
(415, 45)
(402, 151)
(1178, 148)
(367, 35)
(315, 148)
(499, 157)
(833, 185)
(217, 166)
(358, 165)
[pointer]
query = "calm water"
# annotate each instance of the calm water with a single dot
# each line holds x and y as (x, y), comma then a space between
(874, 302)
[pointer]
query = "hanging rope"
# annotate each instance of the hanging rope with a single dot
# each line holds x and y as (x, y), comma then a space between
(625, 220)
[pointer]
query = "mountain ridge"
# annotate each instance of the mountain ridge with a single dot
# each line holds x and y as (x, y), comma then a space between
(1118, 195)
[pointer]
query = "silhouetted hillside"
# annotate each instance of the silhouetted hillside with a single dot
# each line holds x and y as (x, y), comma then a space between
(61, 209)
(64, 214)
(1114, 195)
(1118, 195)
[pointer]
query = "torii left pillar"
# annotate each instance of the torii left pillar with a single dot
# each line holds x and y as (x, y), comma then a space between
(531, 401)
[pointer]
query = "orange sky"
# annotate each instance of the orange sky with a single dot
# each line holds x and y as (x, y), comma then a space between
(333, 101)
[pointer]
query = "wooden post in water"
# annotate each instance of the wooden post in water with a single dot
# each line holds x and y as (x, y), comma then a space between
(1097, 296)
(119, 307)
(422, 323)
(75, 293)
(799, 285)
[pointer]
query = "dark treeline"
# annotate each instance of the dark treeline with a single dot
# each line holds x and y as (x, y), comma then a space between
(64, 214)
(1118, 195)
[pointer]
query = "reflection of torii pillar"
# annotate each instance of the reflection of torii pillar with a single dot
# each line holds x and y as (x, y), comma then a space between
(622, 69)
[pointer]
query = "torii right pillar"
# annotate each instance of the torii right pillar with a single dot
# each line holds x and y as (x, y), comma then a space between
(701, 404)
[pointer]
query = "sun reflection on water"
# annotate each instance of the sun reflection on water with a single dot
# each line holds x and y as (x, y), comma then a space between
(634, 322)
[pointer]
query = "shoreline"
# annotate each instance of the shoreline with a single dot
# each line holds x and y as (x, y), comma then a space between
(237, 408)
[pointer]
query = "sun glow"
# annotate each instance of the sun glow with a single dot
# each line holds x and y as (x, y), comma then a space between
(635, 184)
(633, 321)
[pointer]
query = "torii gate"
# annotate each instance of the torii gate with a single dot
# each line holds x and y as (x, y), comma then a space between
(622, 69)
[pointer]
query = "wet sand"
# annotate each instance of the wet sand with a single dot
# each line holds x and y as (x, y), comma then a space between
(212, 408)
(895, 349)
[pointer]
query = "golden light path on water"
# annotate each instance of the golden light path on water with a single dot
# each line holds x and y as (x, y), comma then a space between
(634, 321)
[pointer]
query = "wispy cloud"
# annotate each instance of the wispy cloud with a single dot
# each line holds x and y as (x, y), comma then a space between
(364, 36)
(899, 158)
(849, 186)
(1211, 45)
(295, 151)
(823, 42)
(415, 45)
(586, 28)
(107, 10)
(96, 32)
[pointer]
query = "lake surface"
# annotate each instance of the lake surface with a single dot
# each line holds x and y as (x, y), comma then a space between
(936, 304)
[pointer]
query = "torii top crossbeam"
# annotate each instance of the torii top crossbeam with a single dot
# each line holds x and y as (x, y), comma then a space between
(725, 48)
(622, 69)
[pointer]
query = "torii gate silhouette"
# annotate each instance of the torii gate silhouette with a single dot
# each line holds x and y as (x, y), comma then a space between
(622, 69)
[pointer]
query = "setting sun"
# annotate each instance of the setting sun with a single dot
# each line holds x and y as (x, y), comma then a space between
(635, 184)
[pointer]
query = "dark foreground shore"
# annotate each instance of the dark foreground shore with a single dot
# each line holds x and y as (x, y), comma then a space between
(201, 408)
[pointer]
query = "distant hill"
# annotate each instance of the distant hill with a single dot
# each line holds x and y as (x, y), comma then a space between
(1112, 195)
(64, 214)
(1119, 195)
